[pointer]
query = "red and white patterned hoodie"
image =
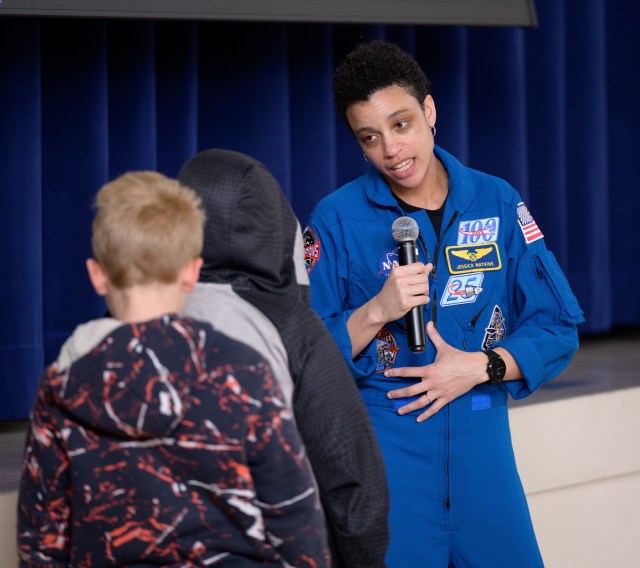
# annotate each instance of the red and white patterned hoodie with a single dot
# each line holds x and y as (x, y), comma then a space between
(165, 444)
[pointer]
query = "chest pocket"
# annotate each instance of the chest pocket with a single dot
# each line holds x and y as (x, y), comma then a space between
(363, 285)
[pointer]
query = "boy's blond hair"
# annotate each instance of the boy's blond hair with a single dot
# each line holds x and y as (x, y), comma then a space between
(146, 229)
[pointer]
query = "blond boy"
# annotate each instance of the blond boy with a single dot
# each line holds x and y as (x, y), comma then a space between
(154, 439)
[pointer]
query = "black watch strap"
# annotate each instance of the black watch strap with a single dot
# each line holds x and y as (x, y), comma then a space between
(496, 367)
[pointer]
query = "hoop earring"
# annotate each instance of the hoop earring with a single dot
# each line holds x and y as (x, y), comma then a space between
(365, 157)
(433, 131)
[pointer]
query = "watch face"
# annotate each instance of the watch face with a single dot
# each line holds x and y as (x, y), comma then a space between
(498, 368)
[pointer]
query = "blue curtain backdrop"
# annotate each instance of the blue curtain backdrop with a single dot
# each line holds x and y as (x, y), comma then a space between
(552, 110)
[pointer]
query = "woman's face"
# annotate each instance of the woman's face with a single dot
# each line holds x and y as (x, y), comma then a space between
(394, 131)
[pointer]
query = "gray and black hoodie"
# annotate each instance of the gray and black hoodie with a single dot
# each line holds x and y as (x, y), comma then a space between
(254, 287)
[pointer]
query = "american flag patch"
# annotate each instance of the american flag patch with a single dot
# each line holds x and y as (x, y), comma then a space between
(529, 227)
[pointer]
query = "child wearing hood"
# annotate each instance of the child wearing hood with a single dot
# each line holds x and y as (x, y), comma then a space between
(155, 440)
(254, 286)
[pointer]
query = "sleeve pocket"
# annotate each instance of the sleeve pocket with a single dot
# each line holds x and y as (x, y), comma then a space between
(549, 273)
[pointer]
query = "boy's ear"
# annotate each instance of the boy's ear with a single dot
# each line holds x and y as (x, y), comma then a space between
(98, 277)
(191, 273)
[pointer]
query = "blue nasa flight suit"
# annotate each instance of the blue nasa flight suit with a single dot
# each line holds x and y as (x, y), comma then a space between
(456, 496)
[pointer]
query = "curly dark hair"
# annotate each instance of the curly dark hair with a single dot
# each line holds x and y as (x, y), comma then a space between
(373, 66)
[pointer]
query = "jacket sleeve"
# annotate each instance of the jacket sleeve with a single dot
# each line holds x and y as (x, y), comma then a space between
(543, 316)
(344, 453)
(332, 417)
(285, 490)
(329, 277)
(44, 508)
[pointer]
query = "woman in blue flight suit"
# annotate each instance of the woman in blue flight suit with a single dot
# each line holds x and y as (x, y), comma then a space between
(501, 319)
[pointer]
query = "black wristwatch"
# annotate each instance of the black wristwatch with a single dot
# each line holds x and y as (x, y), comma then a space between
(496, 367)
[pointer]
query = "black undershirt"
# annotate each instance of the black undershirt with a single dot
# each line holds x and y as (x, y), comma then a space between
(435, 215)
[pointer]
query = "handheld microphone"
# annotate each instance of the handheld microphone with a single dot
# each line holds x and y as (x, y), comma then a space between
(405, 232)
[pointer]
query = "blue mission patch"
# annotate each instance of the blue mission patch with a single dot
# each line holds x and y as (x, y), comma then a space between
(478, 231)
(462, 289)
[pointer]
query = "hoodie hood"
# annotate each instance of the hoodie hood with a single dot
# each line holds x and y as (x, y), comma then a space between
(83, 339)
(252, 237)
(131, 383)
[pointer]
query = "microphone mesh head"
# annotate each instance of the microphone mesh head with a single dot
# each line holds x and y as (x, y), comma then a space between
(404, 229)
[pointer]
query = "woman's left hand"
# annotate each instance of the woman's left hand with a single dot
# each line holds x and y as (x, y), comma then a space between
(453, 373)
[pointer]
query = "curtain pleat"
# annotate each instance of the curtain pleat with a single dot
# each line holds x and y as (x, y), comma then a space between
(587, 161)
(497, 111)
(21, 344)
(176, 94)
(311, 103)
(546, 123)
(131, 82)
(243, 92)
(622, 82)
(552, 110)
(75, 157)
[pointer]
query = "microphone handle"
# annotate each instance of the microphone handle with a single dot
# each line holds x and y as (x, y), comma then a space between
(414, 319)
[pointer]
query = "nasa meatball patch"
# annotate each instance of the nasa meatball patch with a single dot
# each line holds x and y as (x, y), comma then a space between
(311, 248)
(387, 261)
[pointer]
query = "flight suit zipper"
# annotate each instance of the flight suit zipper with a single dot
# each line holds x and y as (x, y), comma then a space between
(447, 502)
(434, 319)
(434, 273)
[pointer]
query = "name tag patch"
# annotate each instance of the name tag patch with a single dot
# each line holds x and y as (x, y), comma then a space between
(463, 289)
(462, 259)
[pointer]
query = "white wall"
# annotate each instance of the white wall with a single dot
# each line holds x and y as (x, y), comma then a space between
(8, 555)
(579, 460)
